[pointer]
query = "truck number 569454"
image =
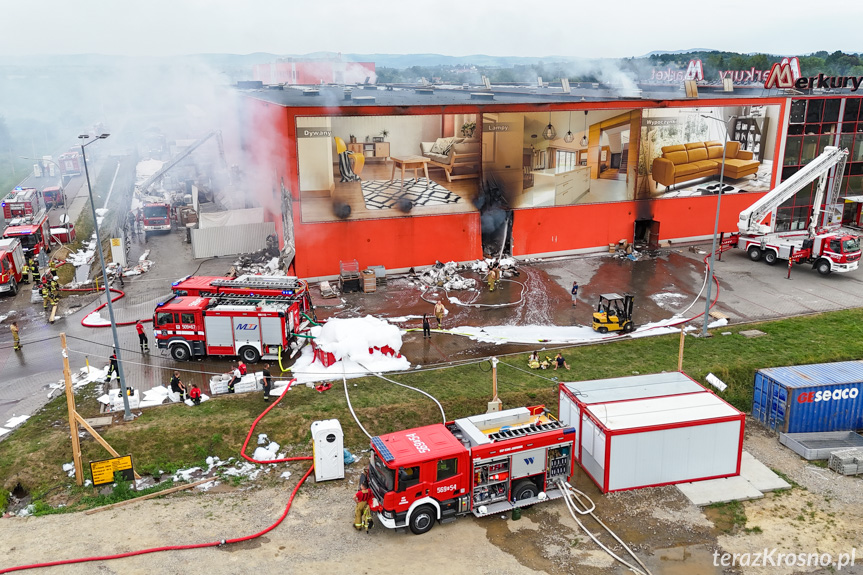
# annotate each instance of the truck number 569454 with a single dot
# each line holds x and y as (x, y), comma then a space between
(445, 489)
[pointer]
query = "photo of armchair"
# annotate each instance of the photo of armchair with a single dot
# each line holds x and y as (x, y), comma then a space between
(458, 157)
(350, 163)
(685, 162)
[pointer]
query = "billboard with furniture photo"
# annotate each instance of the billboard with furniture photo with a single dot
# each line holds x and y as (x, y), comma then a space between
(561, 157)
(683, 150)
(372, 167)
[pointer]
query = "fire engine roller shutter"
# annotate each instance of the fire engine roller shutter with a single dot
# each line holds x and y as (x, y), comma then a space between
(271, 331)
(246, 330)
(219, 331)
(528, 463)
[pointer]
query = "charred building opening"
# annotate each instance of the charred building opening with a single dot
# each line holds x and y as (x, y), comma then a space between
(495, 218)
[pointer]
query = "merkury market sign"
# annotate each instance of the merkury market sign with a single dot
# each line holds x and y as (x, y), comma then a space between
(783, 76)
(695, 71)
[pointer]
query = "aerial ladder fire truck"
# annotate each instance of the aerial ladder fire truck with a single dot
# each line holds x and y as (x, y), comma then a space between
(157, 214)
(482, 465)
(826, 246)
(27, 219)
(253, 317)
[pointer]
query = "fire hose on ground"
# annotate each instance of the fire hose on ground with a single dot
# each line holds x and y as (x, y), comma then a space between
(570, 496)
(196, 545)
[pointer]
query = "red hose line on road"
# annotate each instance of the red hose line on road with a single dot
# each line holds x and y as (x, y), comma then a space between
(195, 545)
(120, 323)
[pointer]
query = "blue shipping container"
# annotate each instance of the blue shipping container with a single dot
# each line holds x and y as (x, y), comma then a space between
(810, 398)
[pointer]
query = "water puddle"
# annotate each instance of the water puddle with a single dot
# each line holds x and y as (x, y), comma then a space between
(684, 560)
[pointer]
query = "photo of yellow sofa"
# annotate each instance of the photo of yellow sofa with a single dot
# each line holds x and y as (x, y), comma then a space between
(694, 160)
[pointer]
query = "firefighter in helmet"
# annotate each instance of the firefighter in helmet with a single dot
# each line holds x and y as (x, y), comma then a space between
(45, 292)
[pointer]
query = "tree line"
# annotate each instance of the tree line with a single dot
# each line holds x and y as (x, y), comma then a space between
(830, 64)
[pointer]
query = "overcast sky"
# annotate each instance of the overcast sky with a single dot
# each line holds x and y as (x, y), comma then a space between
(617, 28)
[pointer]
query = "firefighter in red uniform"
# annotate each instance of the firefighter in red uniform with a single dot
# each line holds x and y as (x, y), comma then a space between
(362, 498)
(195, 394)
(142, 337)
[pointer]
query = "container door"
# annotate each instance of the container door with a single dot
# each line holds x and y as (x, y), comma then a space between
(778, 406)
(760, 405)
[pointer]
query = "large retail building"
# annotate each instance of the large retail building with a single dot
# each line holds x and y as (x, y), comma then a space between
(545, 171)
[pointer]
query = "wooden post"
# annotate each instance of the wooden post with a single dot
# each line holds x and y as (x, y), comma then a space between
(73, 421)
(99, 438)
(680, 352)
(151, 495)
(53, 313)
(494, 379)
(495, 404)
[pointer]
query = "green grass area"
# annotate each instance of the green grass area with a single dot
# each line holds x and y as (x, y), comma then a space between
(167, 438)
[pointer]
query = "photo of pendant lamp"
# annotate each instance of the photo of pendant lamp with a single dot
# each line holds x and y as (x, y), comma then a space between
(549, 133)
(584, 137)
(568, 138)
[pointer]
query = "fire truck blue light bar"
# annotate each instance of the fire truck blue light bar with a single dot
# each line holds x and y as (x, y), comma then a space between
(382, 449)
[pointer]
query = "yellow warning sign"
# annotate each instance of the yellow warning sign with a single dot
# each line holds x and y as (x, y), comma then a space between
(115, 242)
(103, 471)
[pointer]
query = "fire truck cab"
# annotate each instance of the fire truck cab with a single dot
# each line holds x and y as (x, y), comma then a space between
(157, 217)
(27, 220)
(484, 464)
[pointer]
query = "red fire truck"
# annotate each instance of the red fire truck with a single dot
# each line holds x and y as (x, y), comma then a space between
(70, 164)
(53, 197)
(27, 220)
(484, 464)
(11, 264)
(252, 324)
(157, 217)
(23, 202)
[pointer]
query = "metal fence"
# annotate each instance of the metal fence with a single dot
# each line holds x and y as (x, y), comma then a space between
(230, 240)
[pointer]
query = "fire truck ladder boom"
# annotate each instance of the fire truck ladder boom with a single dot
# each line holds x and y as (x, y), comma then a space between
(268, 282)
(246, 298)
(531, 429)
(819, 168)
(181, 156)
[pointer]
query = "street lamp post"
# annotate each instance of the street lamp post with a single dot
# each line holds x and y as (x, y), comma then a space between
(127, 415)
(710, 280)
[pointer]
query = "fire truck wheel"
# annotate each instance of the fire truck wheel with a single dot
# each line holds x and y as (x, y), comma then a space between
(524, 490)
(14, 287)
(770, 257)
(250, 355)
(754, 253)
(823, 267)
(422, 519)
(180, 352)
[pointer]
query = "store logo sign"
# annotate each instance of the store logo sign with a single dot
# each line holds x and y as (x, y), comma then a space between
(834, 395)
(695, 70)
(786, 74)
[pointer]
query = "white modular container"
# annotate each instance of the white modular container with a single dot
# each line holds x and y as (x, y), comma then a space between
(652, 430)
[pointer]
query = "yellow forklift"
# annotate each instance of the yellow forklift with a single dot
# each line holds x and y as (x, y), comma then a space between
(614, 313)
